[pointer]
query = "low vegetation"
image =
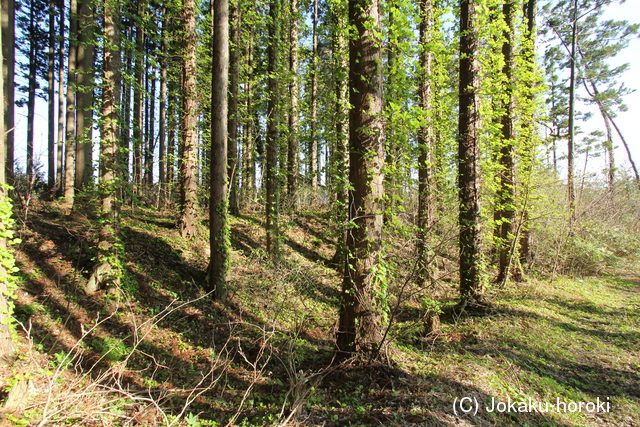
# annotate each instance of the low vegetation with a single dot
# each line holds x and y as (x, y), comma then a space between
(158, 350)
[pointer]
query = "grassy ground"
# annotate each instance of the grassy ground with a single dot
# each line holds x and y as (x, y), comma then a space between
(159, 351)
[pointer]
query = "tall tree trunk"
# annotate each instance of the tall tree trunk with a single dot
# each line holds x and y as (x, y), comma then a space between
(426, 186)
(468, 156)
(294, 91)
(137, 100)
(8, 71)
(340, 160)
(571, 196)
(271, 163)
(31, 97)
(313, 140)
(219, 204)
(151, 136)
(84, 95)
(360, 325)
(506, 191)
(162, 119)
(51, 104)
(188, 131)
(70, 128)
(6, 345)
(248, 161)
(60, 151)
(234, 79)
(106, 269)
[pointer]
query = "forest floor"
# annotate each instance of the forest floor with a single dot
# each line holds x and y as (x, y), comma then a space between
(158, 350)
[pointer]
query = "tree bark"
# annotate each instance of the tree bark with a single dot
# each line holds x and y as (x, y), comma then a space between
(468, 157)
(8, 71)
(571, 196)
(506, 191)
(51, 105)
(219, 204)
(234, 79)
(272, 133)
(84, 94)
(361, 312)
(313, 139)
(162, 119)
(6, 344)
(106, 268)
(137, 101)
(60, 151)
(425, 142)
(188, 131)
(70, 128)
(294, 90)
(31, 97)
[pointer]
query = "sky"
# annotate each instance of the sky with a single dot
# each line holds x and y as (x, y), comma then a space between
(627, 121)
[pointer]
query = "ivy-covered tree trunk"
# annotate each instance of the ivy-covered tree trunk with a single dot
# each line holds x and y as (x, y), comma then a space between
(468, 156)
(506, 197)
(271, 164)
(6, 345)
(189, 137)
(360, 324)
(294, 91)
(426, 185)
(107, 264)
(219, 203)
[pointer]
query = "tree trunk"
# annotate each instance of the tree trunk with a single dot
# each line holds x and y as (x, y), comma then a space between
(313, 139)
(426, 186)
(271, 164)
(340, 161)
(162, 119)
(60, 151)
(360, 325)
(506, 191)
(8, 71)
(31, 97)
(234, 79)
(84, 95)
(219, 204)
(294, 90)
(70, 129)
(106, 268)
(6, 345)
(189, 137)
(571, 196)
(151, 137)
(248, 161)
(51, 105)
(468, 157)
(137, 101)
